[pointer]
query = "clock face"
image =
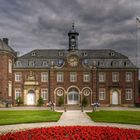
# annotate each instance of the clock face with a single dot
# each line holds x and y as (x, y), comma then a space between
(73, 61)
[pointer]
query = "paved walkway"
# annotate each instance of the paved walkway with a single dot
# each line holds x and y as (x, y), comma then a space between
(69, 118)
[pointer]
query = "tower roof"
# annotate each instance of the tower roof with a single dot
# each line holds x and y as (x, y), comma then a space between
(73, 30)
(6, 47)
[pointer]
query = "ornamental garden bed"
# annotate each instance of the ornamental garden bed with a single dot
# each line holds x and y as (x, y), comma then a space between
(124, 117)
(74, 133)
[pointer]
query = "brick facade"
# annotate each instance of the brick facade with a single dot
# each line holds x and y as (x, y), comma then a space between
(28, 70)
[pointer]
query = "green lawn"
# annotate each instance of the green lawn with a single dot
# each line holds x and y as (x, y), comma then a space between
(28, 116)
(125, 117)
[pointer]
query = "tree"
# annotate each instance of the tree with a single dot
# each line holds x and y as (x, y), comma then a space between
(60, 101)
(40, 101)
(19, 101)
(84, 101)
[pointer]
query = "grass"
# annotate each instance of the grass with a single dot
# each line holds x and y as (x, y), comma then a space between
(124, 117)
(28, 116)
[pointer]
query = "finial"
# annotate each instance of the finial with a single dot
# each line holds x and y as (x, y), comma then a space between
(73, 25)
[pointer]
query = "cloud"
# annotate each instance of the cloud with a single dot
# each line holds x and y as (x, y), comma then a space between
(32, 24)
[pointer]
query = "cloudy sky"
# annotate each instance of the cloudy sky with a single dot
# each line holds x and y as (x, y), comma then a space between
(40, 24)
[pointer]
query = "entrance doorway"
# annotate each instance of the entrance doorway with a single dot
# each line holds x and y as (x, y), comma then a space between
(73, 96)
(31, 98)
(115, 98)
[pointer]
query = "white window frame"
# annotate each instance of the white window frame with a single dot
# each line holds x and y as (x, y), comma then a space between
(115, 76)
(44, 93)
(102, 76)
(128, 77)
(44, 76)
(10, 88)
(18, 76)
(86, 77)
(73, 76)
(10, 65)
(60, 77)
(17, 93)
(102, 93)
(128, 94)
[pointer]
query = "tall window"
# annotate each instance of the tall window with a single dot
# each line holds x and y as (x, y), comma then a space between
(17, 76)
(73, 77)
(44, 76)
(102, 93)
(10, 66)
(128, 76)
(102, 76)
(60, 77)
(115, 76)
(128, 94)
(86, 77)
(44, 94)
(17, 93)
(9, 88)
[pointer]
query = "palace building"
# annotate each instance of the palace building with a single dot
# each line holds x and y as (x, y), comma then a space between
(67, 76)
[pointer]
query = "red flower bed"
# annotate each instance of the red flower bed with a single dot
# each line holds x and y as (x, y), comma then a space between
(74, 133)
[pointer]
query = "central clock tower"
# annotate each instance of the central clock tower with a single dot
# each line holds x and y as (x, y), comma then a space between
(73, 38)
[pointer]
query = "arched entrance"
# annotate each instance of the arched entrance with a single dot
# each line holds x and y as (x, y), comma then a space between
(31, 97)
(73, 96)
(115, 98)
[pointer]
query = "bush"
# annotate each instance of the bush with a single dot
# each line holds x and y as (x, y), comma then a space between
(84, 101)
(40, 101)
(19, 101)
(61, 101)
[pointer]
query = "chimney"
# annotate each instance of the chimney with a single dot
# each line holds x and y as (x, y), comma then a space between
(5, 40)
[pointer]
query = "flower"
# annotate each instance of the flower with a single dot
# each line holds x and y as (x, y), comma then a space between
(74, 133)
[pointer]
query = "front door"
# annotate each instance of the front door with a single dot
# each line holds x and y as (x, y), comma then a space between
(115, 98)
(31, 98)
(73, 97)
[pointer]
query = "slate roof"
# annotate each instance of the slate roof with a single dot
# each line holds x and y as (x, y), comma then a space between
(5, 47)
(45, 58)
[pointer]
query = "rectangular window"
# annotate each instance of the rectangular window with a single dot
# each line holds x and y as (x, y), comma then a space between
(44, 94)
(128, 77)
(86, 77)
(44, 76)
(9, 88)
(115, 76)
(17, 93)
(73, 77)
(128, 94)
(102, 93)
(60, 77)
(10, 66)
(102, 76)
(17, 76)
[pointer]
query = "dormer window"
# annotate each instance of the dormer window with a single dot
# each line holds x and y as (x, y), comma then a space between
(84, 53)
(60, 62)
(126, 63)
(101, 63)
(111, 54)
(45, 63)
(18, 63)
(60, 53)
(115, 63)
(31, 63)
(85, 61)
(33, 53)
